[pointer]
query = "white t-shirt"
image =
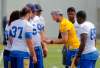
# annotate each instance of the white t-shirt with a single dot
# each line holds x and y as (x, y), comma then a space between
(89, 28)
(18, 29)
(77, 27)
(8, 46)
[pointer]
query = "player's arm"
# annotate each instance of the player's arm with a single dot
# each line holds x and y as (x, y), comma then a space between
(62, 40)
(64, 35)
(44, 45)
(30, 44)
(41, 29)
(83, 39)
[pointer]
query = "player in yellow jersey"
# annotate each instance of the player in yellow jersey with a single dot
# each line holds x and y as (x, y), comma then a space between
(68, 33)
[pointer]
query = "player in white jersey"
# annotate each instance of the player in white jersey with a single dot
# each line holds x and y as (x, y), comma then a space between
(41, 28)
(21, 37)
(87, 52)
(6, 54)
(38, 22)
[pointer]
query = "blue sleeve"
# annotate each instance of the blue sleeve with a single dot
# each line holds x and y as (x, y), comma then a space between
(28, 35)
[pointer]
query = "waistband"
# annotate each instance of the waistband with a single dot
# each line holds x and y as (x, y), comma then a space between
(19, 54)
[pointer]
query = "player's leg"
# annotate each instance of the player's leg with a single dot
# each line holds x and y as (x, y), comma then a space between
(31, 63)
(73, 53)
(14, 62)
(39, 55)
(6, 58)
(19, 60)
(64, 52)
(68, 58)
(93, 63)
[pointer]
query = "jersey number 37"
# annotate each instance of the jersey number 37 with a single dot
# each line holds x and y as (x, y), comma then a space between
(16, 32)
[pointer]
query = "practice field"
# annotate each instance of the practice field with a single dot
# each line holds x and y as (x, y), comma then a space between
(54, 59)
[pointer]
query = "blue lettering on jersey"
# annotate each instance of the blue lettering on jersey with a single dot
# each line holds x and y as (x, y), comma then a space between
(34, 30)
(93, 34)
(20, 30)
(14, 30)
(40, 27)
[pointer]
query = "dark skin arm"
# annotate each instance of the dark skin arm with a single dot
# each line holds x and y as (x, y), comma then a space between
(81, 48)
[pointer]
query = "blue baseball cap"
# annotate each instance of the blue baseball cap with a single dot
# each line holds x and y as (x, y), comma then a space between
(31, 6)
(37, 8)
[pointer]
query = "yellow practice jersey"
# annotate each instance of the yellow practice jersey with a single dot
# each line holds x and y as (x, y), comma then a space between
(67, 26)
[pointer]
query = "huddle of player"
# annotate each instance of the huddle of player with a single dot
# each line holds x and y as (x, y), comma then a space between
(27, 44)
(24, 34)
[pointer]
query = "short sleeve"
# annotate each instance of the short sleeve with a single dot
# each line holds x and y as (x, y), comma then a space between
(83, 29)
(28, 31)
(29, 28)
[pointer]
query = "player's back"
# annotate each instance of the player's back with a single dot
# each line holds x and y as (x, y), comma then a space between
(89, 28)
(18, 29)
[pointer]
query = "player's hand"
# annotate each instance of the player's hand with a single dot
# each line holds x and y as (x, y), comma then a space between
(76, 61)
(34, 59)
(45, 51)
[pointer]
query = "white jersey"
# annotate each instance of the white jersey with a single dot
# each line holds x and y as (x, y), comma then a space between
(90, 30)
(18, 29)
(39, 20)
(38, 24)
(8, 46)
(36, 35)
(76, 25)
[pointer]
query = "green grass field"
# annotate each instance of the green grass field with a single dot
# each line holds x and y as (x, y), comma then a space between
(54, 58)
